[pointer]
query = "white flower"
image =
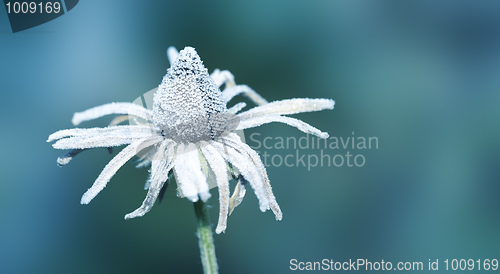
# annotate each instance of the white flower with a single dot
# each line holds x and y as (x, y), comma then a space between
(191, 132)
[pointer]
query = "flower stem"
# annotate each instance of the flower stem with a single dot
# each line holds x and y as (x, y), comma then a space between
(205, 239)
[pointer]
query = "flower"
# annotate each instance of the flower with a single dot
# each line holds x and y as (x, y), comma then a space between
(190, 132)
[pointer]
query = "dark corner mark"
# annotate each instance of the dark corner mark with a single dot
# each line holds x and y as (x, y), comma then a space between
(27, 14)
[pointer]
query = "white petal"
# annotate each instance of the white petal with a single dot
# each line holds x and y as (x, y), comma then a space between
(172, 54)
(147, 185)
(66, 158)
(290, 106)
(145, 157)
(112, 167)
(300, 125)
(62, 161)
(94, 141)
(127, 130)
(160, 167)
(119, 119)
(100, 137)
(223, 77)
(190, 178)
(218, 166)
(238, 195)
(133, 120)
(234, 109)
(248, 169)
(242, 147)
(230, 92)
(112, 108)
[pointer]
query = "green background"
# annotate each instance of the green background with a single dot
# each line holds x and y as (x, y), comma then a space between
(422, 76)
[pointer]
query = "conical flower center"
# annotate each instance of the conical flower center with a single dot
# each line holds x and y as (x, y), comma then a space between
(188, 106)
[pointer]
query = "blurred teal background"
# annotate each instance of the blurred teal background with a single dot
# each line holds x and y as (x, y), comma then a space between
(422, 76)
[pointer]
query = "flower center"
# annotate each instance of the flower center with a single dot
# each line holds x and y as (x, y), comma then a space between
(188, 107)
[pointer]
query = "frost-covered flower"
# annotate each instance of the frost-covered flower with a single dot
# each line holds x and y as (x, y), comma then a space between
(190, 132)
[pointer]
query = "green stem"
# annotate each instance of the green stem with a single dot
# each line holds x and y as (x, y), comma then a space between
(205, 239)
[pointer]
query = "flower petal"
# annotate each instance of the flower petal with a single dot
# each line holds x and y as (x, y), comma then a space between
(82, 138)
(94, 141)
(300, 125)
(172, 54)
(246, 168)
(112, 108)
(238, 194)
(244, 148)
(234, 109)
(289, 106)
(66, 158)
(112, 167)
(222, 77)
(230, 92)
(218, 166)
(160, 167)
(190, 179)
(127, 130)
